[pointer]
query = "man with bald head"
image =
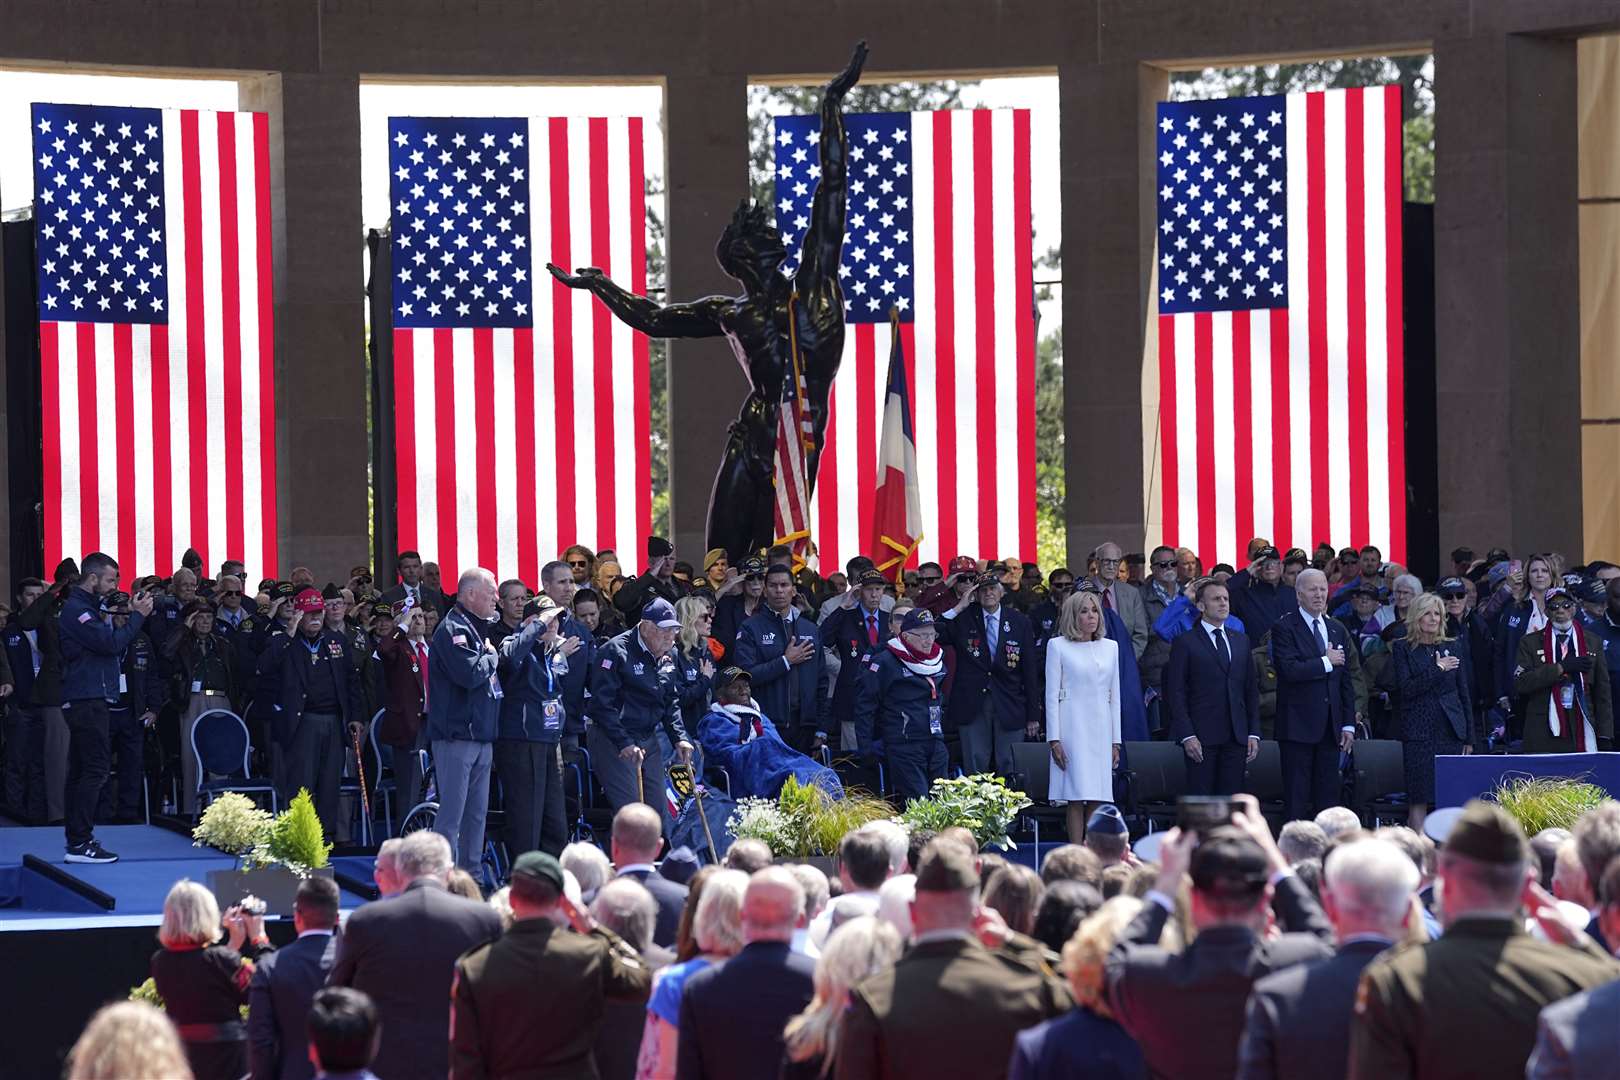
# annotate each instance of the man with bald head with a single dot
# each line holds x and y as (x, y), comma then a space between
(464, 715)
(732, 1015)
(1120, 597)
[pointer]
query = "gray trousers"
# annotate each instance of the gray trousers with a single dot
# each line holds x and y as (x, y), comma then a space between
(461, 770)
(985, 743)
(618, 777)
(56, 761)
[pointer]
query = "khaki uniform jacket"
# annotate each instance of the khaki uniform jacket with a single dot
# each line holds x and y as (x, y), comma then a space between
(1536, 677)
(1464, 1007)
(530, 1003)
(948, 1008)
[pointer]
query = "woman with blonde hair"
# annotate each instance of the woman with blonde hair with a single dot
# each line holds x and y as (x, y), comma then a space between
(125, 1039)
(859, 948)
(717, 930)
(204, 984)
(700, 652)
(1085, 1043)
(1082, 709)
(1434, 715)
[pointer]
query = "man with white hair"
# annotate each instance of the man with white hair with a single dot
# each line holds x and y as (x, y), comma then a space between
(1299, 1018)
(402, 953)
(464, 715)
(1337, 819)
(385, 872)
(1316, 699)
(732, 1014)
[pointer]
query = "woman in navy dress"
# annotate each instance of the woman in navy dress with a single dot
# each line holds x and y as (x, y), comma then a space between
(1434, 712)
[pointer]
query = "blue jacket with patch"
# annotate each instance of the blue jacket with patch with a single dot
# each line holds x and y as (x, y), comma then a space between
(464, 688)
(532, 683)
(92, 650)
(893, 704)
(782, 689)
(634, 693)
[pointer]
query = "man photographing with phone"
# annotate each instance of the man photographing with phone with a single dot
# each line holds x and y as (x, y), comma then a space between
(91, 654)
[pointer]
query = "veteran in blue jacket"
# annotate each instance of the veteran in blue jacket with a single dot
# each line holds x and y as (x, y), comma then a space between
(855, 630)
(464, 701)
(900, 710)
(533, 715)
(634, 693)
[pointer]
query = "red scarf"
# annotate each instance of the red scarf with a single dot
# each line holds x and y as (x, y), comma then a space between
(1572, 719)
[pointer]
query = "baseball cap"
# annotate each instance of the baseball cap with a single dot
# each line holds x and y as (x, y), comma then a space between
(661, 614)
(1296, 555)
(1366, 588)
(1228, 863)
(987, 579)
(1452, 587)
(1462, 554)
(1496, 555)
(964, 564)
(308, 601)
(284, 589)
(382, 610)
(871, 577)
(1267, 552)
(916, 619)
(753, 566)
(543, 606)
(196, 607)
(1106, 820)
(1487, 833)
(946, 866)
(730, 675)
(115, 601)
(538, 866)
(1557, 592)
(1498, 574)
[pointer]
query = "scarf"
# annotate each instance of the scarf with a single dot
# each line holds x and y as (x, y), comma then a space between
(930, 665)
(1573, 717)
(748, 721)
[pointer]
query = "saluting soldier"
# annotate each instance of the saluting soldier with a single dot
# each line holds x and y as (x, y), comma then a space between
(1466, 1005)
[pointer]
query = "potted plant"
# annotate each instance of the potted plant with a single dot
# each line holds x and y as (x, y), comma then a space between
(983, 804)
(1546, 802)
(273, 853)
(804, 823)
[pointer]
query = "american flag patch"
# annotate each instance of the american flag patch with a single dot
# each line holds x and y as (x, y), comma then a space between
(607, 665)
(85, 616)
(459, 639)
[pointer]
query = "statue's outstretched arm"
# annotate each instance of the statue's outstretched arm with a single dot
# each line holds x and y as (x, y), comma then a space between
(700, 318)
(825, 239)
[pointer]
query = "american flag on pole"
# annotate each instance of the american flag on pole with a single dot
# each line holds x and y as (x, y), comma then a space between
(938, 226)
(795, 439)
(157, 357)
(521, 406)
(1280, 350)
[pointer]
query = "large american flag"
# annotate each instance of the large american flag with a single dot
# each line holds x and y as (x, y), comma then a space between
(1280, 349)
(520, 405)
(157, 359)
(938, 226)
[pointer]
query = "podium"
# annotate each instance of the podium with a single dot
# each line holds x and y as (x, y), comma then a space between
(1460, 777)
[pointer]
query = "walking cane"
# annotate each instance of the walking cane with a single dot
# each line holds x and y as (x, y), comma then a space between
(703, 816)
(365, 796)
(641, 792)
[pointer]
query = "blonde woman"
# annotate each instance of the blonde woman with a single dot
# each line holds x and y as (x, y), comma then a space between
(859, 948)
(1082, 709)
(695, 666)
(125, 1039)
(717, 929)
(1085, 1043)
(204, 984)
(1434, 713)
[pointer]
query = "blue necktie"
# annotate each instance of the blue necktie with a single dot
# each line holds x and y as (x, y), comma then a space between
(990, 633)
(1321, 639)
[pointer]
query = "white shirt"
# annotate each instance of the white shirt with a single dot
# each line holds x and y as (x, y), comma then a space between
(1210, 630)
(1319, 622)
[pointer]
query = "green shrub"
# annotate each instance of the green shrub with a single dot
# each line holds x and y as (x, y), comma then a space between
(1547, 802)
(147, 992)
(233, 824)
(981, 804)
(295, 839)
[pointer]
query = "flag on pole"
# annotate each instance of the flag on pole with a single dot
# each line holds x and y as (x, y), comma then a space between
(1280, 350)
(521, 406)
(938, 226)
(157, 356)
(897, 529)
(795, 439)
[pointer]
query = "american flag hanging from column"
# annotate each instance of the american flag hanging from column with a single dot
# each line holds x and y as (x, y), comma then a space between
(795, 440)
(521, 406)
(157, 356)
(938, 226)
(1280, 322)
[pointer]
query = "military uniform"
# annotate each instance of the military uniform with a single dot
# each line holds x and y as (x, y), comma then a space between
(1537, 677)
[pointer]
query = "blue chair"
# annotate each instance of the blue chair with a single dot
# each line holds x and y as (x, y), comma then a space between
(219, 741)
(383, 782)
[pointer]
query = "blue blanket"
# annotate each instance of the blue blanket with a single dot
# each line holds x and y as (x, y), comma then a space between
(762, 765)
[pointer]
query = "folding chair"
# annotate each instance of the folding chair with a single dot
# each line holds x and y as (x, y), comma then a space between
(219, 741)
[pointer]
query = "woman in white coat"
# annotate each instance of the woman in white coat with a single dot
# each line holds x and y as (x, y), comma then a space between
(1082, 709)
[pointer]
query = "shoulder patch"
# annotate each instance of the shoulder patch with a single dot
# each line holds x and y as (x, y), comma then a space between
(874, 667)
(85, 616)
(607, 663)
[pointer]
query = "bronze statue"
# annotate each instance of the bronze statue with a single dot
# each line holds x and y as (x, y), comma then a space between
(757, 326)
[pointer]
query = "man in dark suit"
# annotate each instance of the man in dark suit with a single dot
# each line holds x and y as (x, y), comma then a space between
(411, 587)
(1186, 1009)
(284, 983)
(732, 1014)
(1575, 1038)
(781, 650)
(402, 662)
(855, 630)
(952, 1005)
(402, 953)
(638, 833)
(992, 703)
(1213, 697)
(1316, 699)
(1299, 1018)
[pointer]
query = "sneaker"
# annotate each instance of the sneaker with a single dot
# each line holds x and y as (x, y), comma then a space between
(91, 852)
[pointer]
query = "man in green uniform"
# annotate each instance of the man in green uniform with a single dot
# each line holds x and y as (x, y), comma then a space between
(1466, 1005)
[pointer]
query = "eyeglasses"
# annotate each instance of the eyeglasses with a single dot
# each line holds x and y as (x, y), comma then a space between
(1561, 605)
(231, 592)
(578, 562)
(1164, 564)
(1107, 562)
(930, 580)
(1062, 586)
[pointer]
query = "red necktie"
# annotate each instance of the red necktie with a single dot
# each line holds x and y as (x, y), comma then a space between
(421, 659)
(1107, 599)
(871, 630)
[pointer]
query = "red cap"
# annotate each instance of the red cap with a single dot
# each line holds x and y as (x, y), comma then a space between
(964, 564)
(307, 601)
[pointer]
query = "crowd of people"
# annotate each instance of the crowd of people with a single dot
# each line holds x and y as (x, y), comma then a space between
(1328, 950)
(771, 669)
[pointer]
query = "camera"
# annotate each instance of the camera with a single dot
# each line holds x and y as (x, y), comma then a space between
(252, 905)
(1201, 813)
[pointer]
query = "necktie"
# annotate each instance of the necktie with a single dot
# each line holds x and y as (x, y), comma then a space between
(991, 632)
(871, 630)
(1221, 649)
(1321, 636)
(1563, 647)
(1108, 598)
(421, 661)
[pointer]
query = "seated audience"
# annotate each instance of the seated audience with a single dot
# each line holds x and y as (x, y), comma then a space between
(1072, 862)
(863, 867)
(638, 834)
(1337, 819)
(817, 894)
(1107, 837)
(748, 855)
(590, 866)
(1301, 840)
(1015, 892)
(1575, 1037)
(1063, 907)
(627, 909)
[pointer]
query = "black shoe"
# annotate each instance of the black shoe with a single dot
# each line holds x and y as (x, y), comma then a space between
(91, 852)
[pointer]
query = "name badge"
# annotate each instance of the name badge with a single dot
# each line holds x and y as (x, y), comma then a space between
(196, 685)
(935, 724)
(1566, 694)
(495, 690)
(123, 683)
(551, 714)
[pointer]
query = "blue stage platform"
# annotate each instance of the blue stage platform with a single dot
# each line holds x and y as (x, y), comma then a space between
(1460, 777)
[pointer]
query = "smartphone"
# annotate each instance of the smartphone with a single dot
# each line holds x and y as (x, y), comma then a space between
(1201, 813)
(1516, 566)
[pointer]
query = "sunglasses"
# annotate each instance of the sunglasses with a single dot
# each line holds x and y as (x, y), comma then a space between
(930, 580)
(1165, 565)
(578, 562)
(1561, 605)
(231, 592)
(1062, 586)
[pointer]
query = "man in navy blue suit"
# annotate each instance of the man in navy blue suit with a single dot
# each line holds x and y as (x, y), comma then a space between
(1316, 701)
(1213, 698)
(781, 650)
(284, 983)
(855, 631)
(993, 696)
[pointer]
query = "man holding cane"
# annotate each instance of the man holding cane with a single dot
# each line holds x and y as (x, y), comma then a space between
(631, 697)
